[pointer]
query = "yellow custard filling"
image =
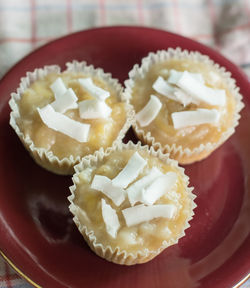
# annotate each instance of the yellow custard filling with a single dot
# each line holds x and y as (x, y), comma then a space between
(146, 236)
(102, 132)
(161, 127)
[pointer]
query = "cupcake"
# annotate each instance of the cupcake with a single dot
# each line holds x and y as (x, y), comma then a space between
(185, 104)
(130, 202)
(62, 116)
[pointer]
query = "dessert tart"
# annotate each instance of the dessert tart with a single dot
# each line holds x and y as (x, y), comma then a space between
(185, 104)
(62, 116)
(130, 202)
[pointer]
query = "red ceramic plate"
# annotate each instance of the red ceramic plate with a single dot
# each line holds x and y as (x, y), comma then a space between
(36, 228)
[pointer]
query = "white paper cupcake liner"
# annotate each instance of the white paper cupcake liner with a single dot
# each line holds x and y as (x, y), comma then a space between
(183, 155)
(42, 156)
(117, 255)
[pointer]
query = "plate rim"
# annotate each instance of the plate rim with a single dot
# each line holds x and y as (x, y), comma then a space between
(18, 271)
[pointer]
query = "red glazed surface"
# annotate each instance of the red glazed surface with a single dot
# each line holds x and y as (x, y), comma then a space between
(36, 228)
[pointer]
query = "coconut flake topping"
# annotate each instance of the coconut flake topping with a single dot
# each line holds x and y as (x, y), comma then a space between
(186, 87)
(64, 124)
(172, 92)
(175, 76)
(141, 213)
(130, 172)
(149, 112)
(110, 219)
(163, 87)
(92, 109)
(201, 92)
(104, 184)
(200, 116)
(58, 87)
(135, 190)
(95, 91)
(159, 187)
(65, 101)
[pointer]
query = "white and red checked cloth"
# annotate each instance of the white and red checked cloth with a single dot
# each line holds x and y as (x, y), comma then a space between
(27, 24)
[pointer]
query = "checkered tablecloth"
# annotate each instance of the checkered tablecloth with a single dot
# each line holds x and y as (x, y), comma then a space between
(27, 24)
